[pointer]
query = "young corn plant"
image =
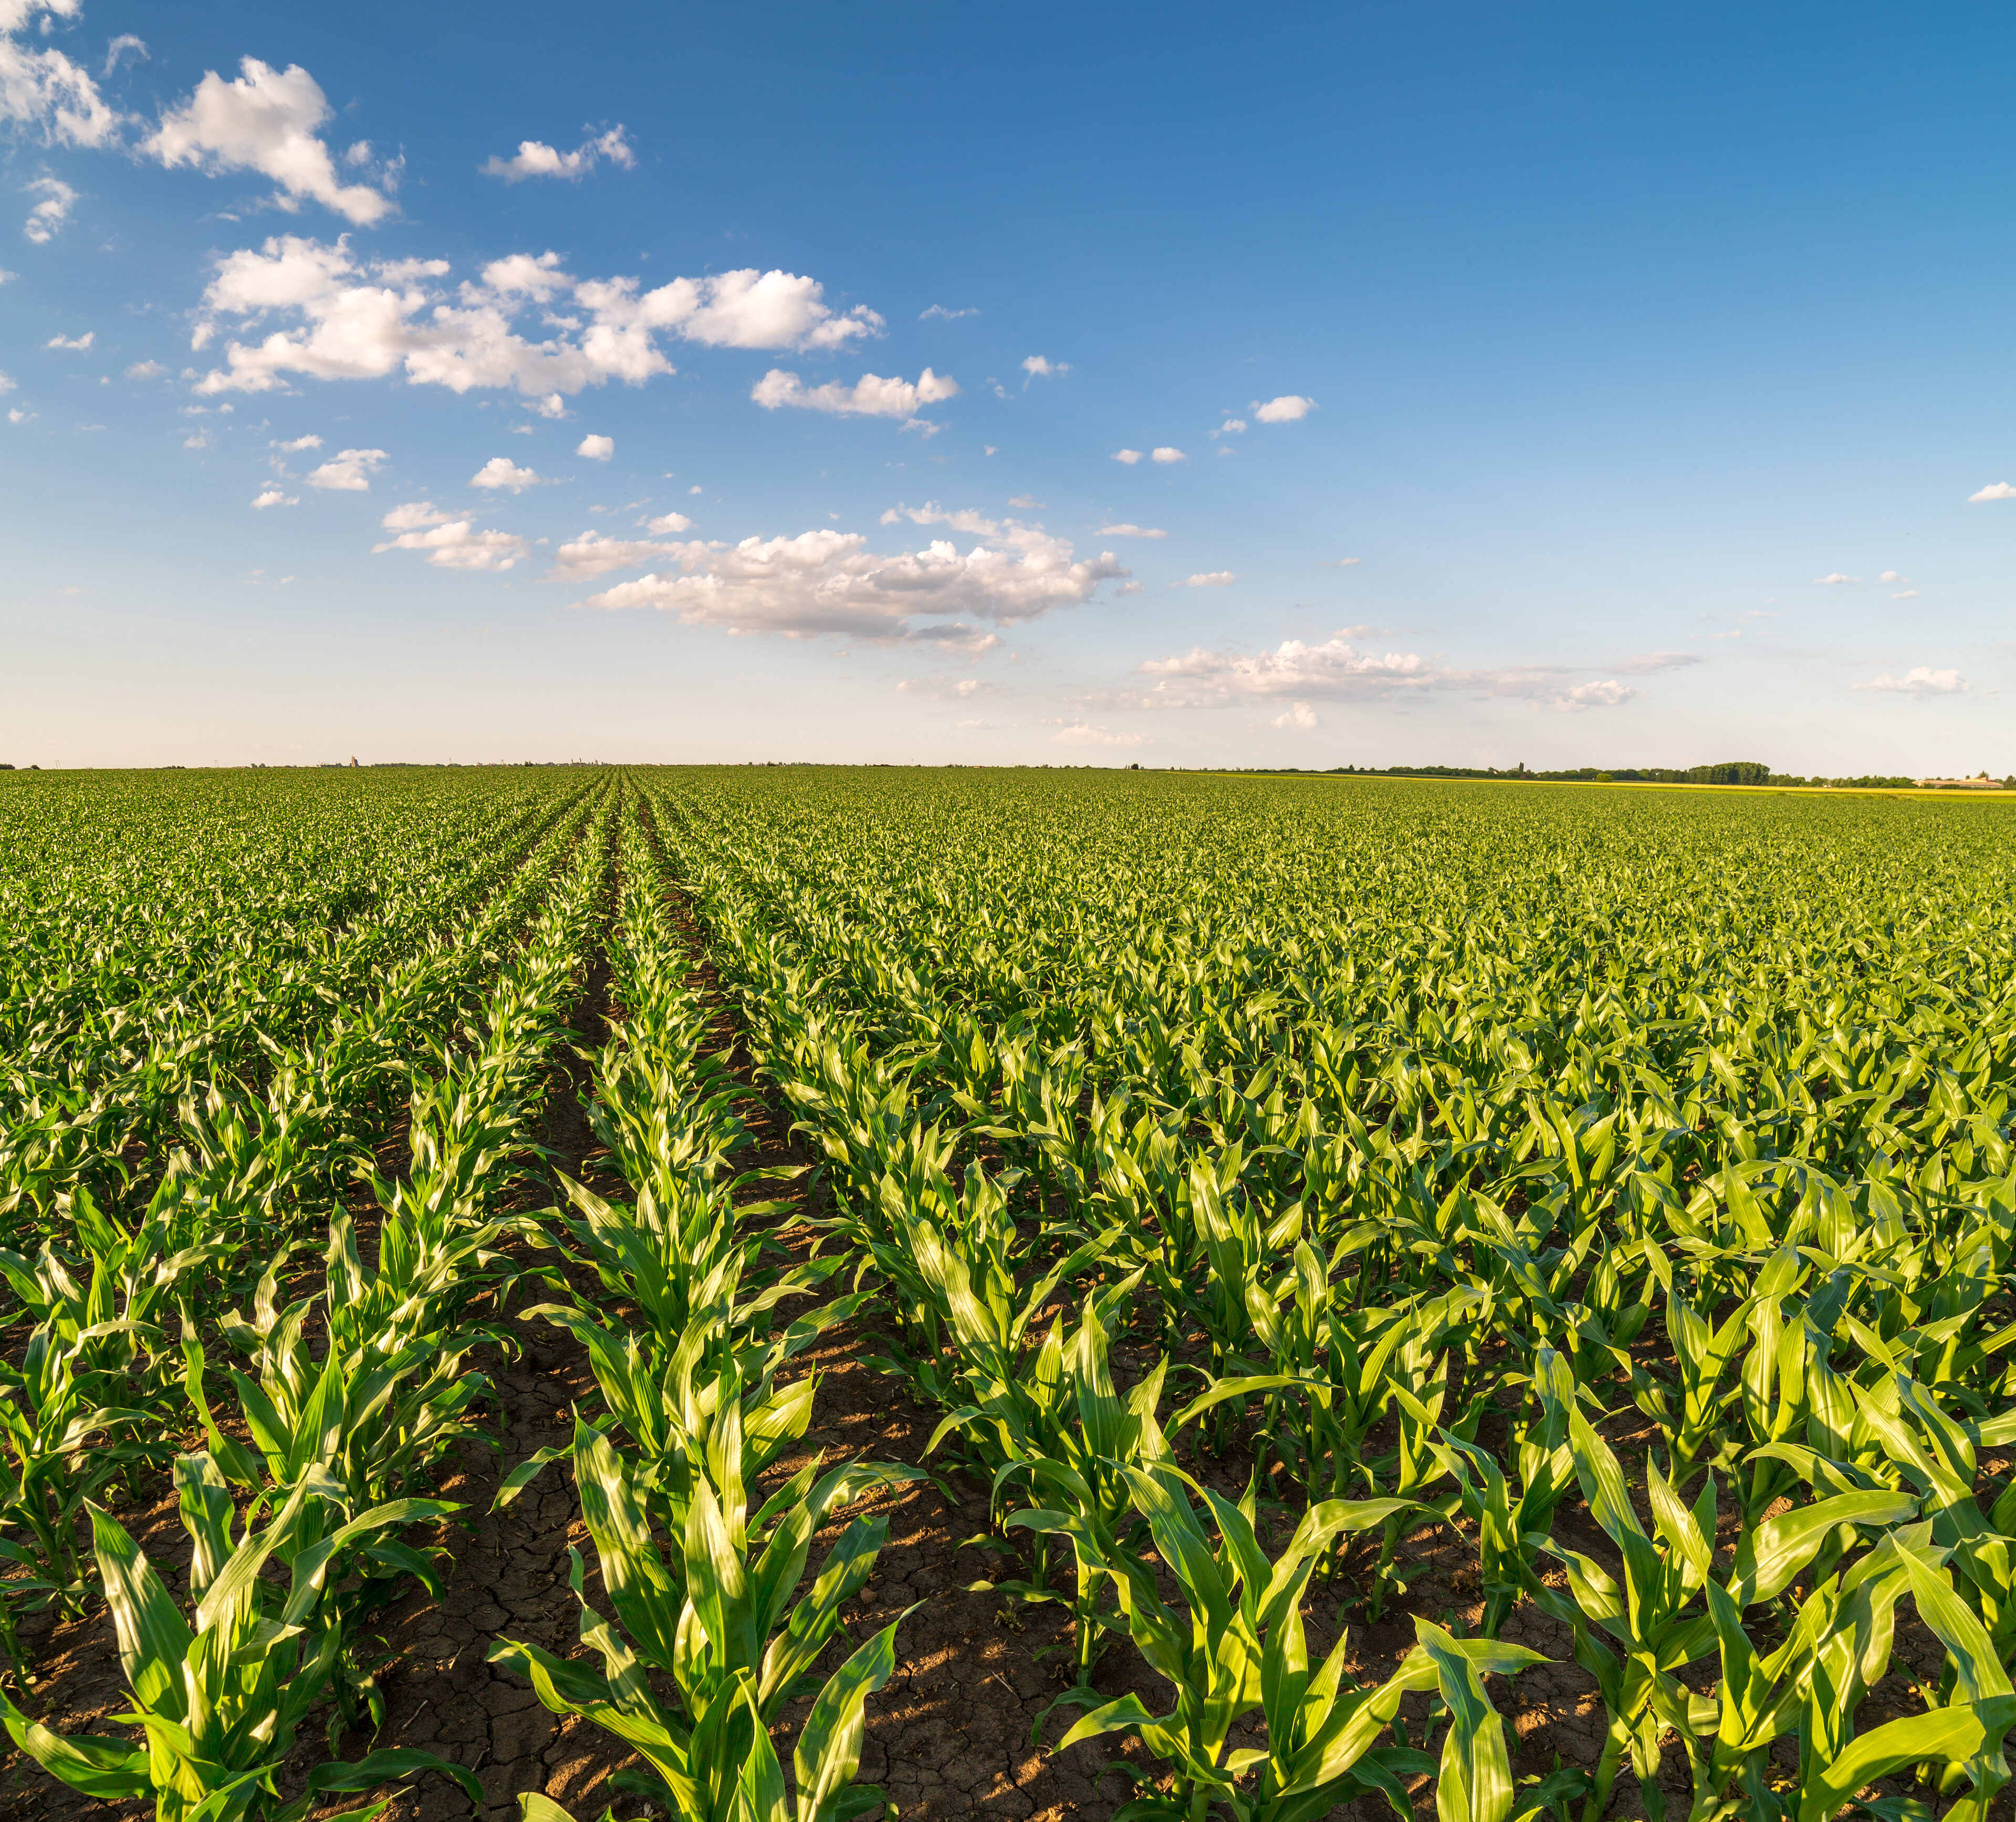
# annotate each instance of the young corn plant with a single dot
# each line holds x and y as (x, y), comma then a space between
(1657, 1616)
(710, 1640)
(221, 1691)
(1240, 1646)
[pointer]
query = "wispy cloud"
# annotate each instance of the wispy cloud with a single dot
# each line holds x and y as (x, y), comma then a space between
(536, 159)
(1124, 530)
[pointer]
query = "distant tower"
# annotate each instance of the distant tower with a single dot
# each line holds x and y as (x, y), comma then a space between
(353, 759)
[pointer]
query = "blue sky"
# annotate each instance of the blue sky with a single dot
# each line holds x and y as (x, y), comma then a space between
(1568, 384)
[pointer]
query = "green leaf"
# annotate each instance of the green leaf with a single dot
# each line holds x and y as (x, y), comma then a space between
(828, 1753)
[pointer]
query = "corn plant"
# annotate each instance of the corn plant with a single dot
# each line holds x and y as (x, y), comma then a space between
(221, 1691)
(1240, 1646)
(710, 1619)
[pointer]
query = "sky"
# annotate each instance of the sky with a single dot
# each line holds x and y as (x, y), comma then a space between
(1367, 384)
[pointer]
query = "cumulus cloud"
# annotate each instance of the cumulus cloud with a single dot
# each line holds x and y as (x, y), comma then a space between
(76, 341)
(349, 471)
(413, 516)
(357, 320)
(1284, 410)
(146, 370)
(1038, 367)
(43, 89)
(1608, 693)
(1298, 715)
(294, 446)
(1166, 454)
(272, 496)
(1920, 681)
(829, 581)
(46, 218)
(1892, 576)
(1339, 669)
(1905, 595)
(1129, 456)
(666, 522)
(459, 545)
(502, 472)
(1126, 531)
(596, 448)
(1233, 426)
(1999, 490)
(1091, 734)
(267, 121)
(870, 396)
(581, 559)
(1028, 502)
(1211, 579)
(535, 158)
(1837, 580)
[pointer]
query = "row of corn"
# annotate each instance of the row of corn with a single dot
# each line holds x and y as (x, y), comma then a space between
(321, 1384)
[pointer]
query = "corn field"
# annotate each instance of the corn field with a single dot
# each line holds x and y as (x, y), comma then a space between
(752, 1294)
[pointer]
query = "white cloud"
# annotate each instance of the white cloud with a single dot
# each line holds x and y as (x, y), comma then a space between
(870, 396)
(2000, 490)
(1610, 694)
(596, 448)
(1028, 502)
(79, 341)
(1648, 662)
(1920, 681)
(1906, 595)
(47, 216)
(17, 415)
(1892, 576)
(696, 489)
(1166, 454)
(592, 554)
(414, 516)
(501, 471)
(349, 471)
(126, 44)
(944, 314)
(266, 121)
(1037, 367)
(1211, 579)
(1090, 734)
(1298, 715)
(146, 370)
(535, 158)
(1129, 456)
(43, 88)
(1339, 669)
(459, 545)
(1126, 531)
(360, 320)
(1837, 580)
(6, 384)
(666, 522)
(828, 582)
(298, 444)
(1284, 410)
(1345, 563)
(959, 689)
(1233, 426)
(6, 277)
(272, 496)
